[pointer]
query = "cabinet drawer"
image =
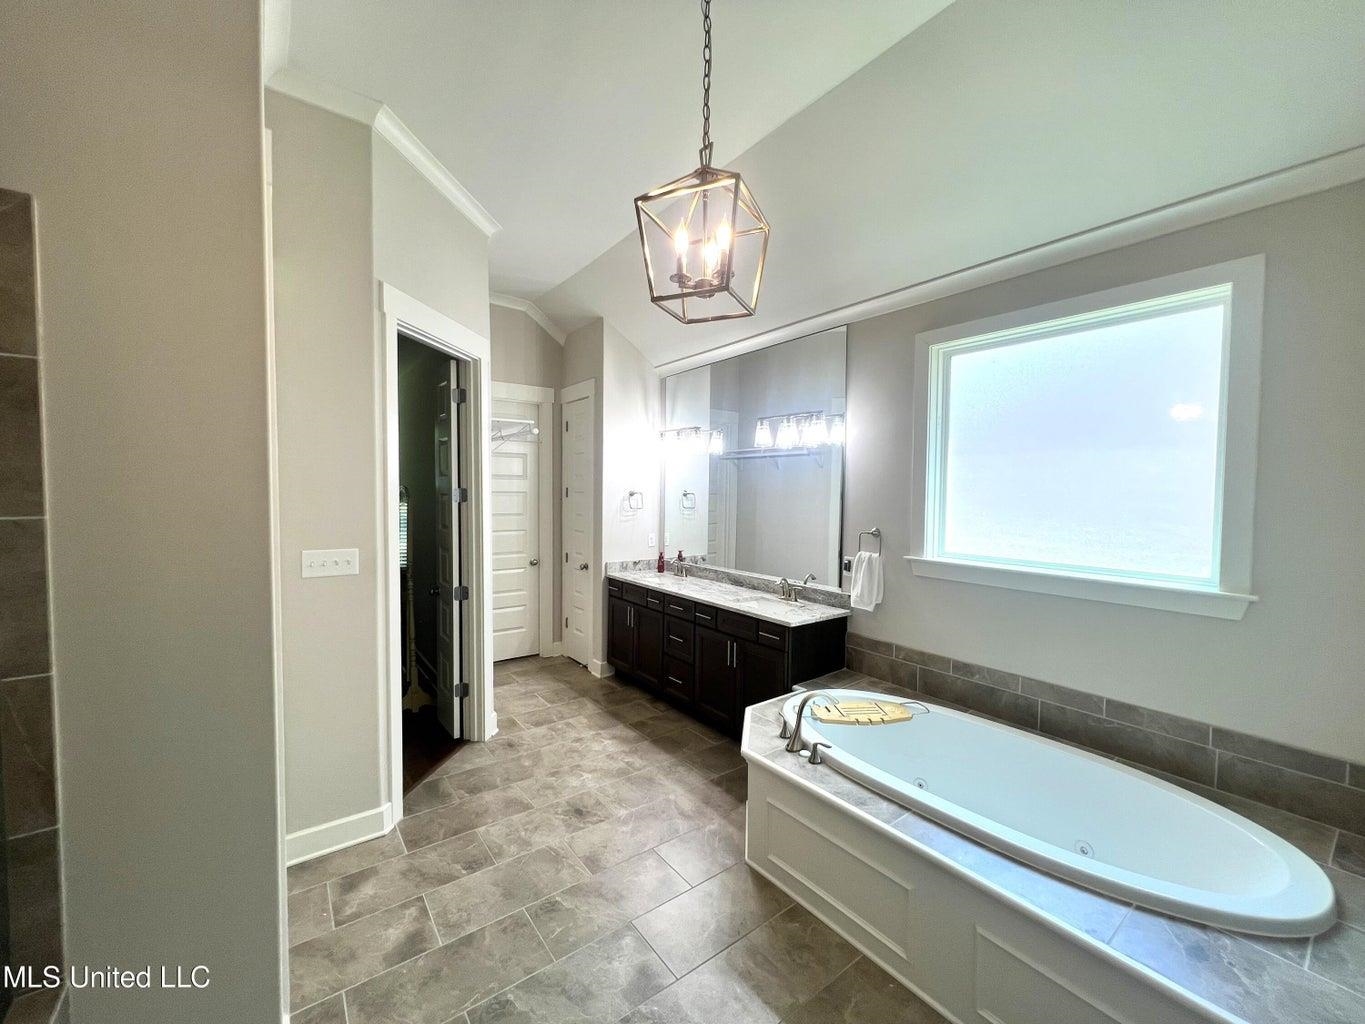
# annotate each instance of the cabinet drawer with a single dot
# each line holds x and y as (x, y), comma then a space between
(679, 606)
(772, 636)
(706, 615)
(678, 637)
(736, 624)
(654, 599)
(614, 587)
(679, 679)
(633, 593)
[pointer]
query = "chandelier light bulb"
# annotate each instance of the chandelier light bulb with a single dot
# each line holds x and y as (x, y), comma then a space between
(680, 241)
(763, 435)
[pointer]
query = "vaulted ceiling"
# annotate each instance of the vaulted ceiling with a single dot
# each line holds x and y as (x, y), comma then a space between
(888, 141)
(556, 113)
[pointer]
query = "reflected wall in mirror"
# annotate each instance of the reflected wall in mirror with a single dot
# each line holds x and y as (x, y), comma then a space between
(754, 459)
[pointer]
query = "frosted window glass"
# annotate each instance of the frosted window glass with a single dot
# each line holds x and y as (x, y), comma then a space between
(1095, 450)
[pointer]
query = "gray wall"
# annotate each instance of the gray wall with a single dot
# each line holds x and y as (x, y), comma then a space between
(522, 352)
(30, 870)
(349, 212)
(137, 129)
(1291, 669)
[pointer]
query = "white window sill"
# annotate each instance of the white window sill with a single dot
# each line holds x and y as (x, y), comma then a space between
(1214, 603)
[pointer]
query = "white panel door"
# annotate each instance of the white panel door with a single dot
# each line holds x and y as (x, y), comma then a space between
(516, 537)
(577, 513)
(449, 660)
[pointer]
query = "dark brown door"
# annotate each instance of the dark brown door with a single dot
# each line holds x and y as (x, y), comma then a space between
(762, 674)
(649, 645)
(621, 634)
(716, 675)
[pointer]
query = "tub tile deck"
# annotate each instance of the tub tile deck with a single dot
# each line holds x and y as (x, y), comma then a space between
(1262, 981)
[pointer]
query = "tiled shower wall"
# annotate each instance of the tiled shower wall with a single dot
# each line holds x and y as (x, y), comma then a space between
(27, 764)
(1197, 754)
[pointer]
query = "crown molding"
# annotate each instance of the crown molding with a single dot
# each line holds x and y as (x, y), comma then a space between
(533, 311)
(318, 92)
(1331, 171)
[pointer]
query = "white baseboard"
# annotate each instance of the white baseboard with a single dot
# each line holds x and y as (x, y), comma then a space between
(600, 668)
(335, 835)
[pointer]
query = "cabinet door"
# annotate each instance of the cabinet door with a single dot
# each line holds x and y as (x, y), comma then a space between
(762, 674)
(620, 634)
(715, 698)
(649, 645)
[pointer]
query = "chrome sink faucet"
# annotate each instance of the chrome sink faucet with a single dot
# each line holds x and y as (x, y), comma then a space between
(792, 591)
(680, 567)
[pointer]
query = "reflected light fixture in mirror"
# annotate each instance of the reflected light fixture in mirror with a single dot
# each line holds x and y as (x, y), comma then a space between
(787, 434)
(763, 435)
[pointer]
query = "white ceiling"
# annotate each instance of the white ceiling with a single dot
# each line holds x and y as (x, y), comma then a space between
(995, 128)
(555, 114)
(882, 156)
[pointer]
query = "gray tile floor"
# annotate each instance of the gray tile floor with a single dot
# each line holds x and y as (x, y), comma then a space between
(587, 864)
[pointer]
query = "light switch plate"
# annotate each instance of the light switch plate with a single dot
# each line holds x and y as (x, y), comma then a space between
(331, 562)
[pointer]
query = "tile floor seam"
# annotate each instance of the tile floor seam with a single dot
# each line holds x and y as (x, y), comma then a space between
(645, 939)
(1330, 981)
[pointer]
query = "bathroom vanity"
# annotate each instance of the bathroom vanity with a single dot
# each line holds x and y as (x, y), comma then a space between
(713, 649)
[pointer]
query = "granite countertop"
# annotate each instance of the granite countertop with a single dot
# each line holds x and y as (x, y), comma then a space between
(1247, 978)
(738, 599)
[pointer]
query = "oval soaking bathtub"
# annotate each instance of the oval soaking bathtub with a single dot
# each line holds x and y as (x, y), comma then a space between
(1080, 816)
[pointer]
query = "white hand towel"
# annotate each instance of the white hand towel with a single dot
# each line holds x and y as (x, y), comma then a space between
(866, 593)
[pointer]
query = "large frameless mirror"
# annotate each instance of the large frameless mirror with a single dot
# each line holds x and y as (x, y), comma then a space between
(754, 459)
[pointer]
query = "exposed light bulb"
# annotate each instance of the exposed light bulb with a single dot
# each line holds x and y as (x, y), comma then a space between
(836, 430)
(787, 435)
(723, 236)
(711, 256)
(763, 435)
(717, 443)
(680, 240)
(815, 432)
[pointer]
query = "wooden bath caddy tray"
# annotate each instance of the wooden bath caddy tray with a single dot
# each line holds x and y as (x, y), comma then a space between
(861, 711)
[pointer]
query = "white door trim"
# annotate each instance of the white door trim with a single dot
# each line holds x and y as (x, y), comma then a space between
(572, 393)
(399, 311)
(544, 398)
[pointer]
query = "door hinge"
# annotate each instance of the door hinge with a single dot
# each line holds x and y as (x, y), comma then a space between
(461, 691)
(459, 495)
(459, 395)
(459, 593)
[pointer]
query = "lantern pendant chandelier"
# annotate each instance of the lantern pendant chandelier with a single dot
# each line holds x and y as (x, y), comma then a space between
(704, 238)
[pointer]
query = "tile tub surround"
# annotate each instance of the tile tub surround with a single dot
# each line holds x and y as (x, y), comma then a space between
(1259, 981)
(624, 898)
(27, 765)
(814, 594)
(1231, 764)
(759, 604)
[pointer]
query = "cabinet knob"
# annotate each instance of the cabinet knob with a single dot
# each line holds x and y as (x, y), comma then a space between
(583, 567)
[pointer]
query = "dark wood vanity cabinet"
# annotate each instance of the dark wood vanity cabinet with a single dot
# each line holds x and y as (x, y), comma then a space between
(713, 662)
(635, 638)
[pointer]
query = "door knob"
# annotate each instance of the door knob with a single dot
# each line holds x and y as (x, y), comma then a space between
(535, 561)
(583, 566)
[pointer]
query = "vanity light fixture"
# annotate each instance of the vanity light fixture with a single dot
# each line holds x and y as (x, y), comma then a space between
(703, 236)
(836, 430)
(787, 434)
(716, 445)
(814, 432)
(763, 435)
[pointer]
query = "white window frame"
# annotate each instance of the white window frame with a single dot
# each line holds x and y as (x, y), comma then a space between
(1241, 390)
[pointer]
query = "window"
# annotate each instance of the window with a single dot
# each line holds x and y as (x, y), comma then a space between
(1103, 447)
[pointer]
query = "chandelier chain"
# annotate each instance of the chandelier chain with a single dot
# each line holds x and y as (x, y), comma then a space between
(705, 151)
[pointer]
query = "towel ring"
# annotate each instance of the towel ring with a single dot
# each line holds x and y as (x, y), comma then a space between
(876, 534)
